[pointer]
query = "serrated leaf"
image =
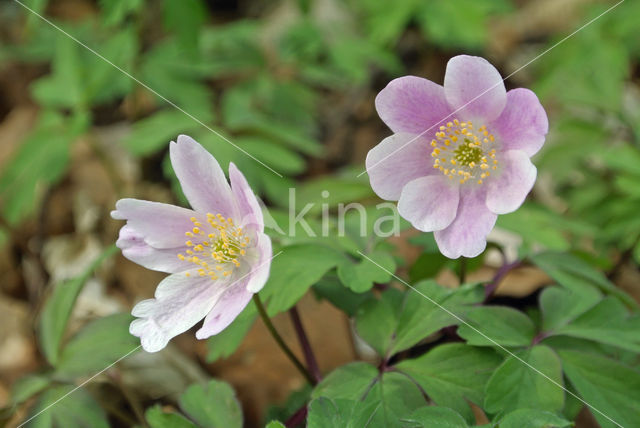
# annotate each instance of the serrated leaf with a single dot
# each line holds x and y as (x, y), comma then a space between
(488, 325)
(453, 374)
(360, 276)
(573, 273)
(421, 317)
(529, 418)
(609, 386)
(294, 271)
(515, 385)
(432, 416)
(213, 405)
(376, 320)
(389, 397)
(560, 305)
(326, 412)
(607, 322)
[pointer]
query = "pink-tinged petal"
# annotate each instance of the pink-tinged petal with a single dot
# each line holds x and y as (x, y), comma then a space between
(523, 123)
(201, 178)
(412, 104)
(232, 302)
(248, 206)
(261, 263)
(180, 302)
(397, 160)
(509, 188)
(474, 88)
(137, 250)
(467, 234)
(429, 203)
(161, 225)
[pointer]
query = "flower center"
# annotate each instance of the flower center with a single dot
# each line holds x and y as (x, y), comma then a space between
(462, 152)
(218, 251)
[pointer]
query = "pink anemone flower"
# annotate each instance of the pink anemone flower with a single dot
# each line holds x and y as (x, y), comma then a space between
(217, 254)
(459, 155)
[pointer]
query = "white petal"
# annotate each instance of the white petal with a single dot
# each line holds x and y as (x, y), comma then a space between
(180, 302)
(509, 188)
(429, 203)
(201, 178)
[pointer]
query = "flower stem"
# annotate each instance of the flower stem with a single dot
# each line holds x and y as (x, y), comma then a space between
(491, 287)
(462, 273)
(309, 356)
(279, 341)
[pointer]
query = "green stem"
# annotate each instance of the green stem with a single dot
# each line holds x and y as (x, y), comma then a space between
(278, 339)
(462, 274)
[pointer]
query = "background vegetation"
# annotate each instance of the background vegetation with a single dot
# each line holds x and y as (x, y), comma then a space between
(87, 121)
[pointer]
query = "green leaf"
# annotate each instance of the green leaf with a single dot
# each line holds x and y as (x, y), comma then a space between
(326, 412)
(561, 305)
(280, 158)
(497, 324)
(459, 23)
(420, 317)
(294, 271)
(453, 374)
(213, 405)
(79, 410)
(350, 381)
(153, 133)
(57, 309)
(228, 340)
(515, 385)
(377, 318)
(64, 86)
(573, 273)
(340, 296)
(41, 160)
(431, 416)
(28, 386)
(529, 418)
(330, 191)
(185, 18)
(114, 12)
(387, 398)
(275, 424)
(99, 344)
(608, 322)
(156, 418)
(361, 275)
(609, 386)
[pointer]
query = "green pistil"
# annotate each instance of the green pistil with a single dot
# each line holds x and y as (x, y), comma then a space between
(464, 155)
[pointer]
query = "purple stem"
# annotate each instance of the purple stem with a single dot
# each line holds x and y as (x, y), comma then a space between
(310, 358)
(297, 418)
(498, 277)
